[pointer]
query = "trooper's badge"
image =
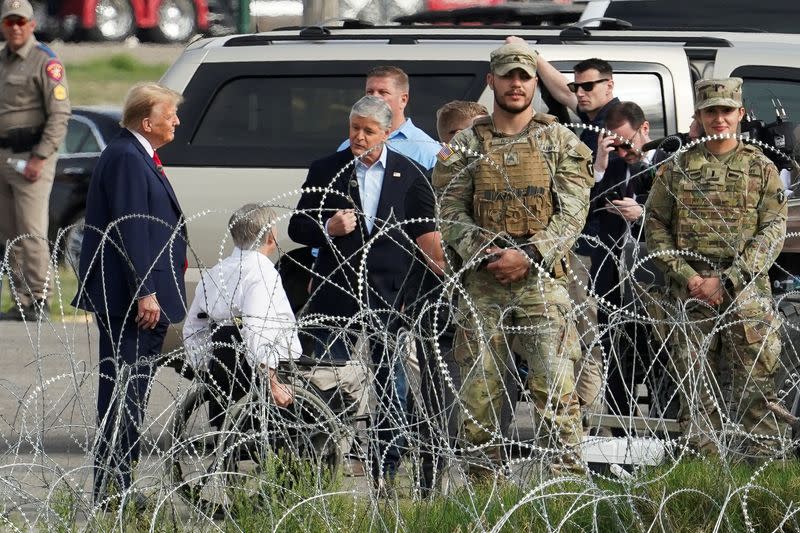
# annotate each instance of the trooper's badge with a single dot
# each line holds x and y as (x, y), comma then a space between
(55, 70)
(511, 159)
(59, 92)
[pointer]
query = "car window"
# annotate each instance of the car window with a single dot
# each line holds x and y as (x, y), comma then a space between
(79, 138)
(772, 95)
(274, 118)
(766, 98)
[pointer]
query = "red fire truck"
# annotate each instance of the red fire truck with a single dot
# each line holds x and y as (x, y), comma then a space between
(115, 20)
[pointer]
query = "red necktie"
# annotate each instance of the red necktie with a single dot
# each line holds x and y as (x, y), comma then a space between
(157, 161)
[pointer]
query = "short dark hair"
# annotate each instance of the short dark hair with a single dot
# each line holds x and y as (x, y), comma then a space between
(600, 65)
(623, 112)
(396, 73)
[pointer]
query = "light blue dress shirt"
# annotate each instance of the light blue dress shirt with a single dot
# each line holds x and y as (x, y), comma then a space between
(412, 142)
(370, 183)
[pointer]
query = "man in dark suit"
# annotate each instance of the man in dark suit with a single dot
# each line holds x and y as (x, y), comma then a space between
(131, 275)
(354, 218)
(622, 194)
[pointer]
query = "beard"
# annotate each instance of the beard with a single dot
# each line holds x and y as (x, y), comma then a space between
(514, 109)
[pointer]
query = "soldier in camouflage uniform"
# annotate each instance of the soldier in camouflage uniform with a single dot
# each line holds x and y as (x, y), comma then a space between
(722, 207)
(514, 197)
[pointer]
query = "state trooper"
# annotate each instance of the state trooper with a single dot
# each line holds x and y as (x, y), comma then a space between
(716, 220)
(514, 196)
(34, 111)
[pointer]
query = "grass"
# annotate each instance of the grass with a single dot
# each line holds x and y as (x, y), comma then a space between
(62, 287)
(107, 80)
(694, 495)
(691, 496)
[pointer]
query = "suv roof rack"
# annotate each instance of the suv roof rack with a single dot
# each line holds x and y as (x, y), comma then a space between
(402, 35)
(528, 14)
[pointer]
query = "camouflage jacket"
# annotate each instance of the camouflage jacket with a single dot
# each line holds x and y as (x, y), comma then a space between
(569, 162)
(736, 219)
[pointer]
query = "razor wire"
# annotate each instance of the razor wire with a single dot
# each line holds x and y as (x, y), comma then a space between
(293, 462)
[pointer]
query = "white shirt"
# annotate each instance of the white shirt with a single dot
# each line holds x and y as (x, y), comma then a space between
(144, 142)
(370, 183)
(245, 284)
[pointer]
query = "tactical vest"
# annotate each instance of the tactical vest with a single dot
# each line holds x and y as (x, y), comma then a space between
(716, 204)
(512, 182)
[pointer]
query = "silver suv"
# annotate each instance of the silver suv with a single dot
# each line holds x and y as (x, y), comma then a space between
(259, 108)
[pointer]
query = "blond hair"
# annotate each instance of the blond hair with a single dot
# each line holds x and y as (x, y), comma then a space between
(141, 99)
(457, 112)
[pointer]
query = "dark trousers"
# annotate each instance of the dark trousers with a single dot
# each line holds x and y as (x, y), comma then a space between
(128, 361)
(440, 420)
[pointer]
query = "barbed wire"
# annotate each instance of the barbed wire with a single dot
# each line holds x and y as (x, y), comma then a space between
(288, 464)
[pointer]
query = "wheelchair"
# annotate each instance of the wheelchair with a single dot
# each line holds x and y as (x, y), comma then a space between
(228, 441)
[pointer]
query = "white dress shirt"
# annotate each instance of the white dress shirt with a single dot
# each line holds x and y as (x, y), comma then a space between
(144, 142)
(245, 284)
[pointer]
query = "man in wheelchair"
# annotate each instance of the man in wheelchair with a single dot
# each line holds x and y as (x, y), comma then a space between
(240, 328)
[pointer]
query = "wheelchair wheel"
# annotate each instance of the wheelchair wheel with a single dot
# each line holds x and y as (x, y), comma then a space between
(260, 451)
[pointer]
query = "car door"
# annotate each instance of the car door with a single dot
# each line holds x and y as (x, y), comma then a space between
(77, 156)
(771, 89)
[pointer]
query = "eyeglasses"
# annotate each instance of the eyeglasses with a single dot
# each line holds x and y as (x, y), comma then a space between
(587, 86)
(627, 144)
(10, 22)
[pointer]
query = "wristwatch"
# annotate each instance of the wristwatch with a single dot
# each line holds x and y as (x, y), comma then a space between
(532, 252)
(729, 286)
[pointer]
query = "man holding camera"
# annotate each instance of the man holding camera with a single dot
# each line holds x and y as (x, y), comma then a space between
(34, 111)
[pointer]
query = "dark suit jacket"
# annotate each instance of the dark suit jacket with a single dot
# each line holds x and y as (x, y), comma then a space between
(124, 259)
(615, 179)
(335, 279)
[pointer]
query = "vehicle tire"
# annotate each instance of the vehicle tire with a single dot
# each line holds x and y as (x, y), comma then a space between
(177, 22)
(114, 21)
(787, 378)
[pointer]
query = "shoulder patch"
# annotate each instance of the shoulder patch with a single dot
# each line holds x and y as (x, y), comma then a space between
(46, 49)
(54, 70)
(445, 153)
(60, 92)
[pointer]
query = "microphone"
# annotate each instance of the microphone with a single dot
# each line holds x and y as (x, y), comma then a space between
(672, 143)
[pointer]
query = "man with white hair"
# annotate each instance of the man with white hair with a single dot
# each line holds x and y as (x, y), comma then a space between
(245, 289)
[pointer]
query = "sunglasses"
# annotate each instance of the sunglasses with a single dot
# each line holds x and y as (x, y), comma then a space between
(10, 22)
(586, 85)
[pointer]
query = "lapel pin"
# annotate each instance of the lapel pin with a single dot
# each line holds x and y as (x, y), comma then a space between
(395, 174)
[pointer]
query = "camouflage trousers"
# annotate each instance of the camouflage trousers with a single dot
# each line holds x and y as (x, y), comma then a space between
(533, 315)
(725, 361)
